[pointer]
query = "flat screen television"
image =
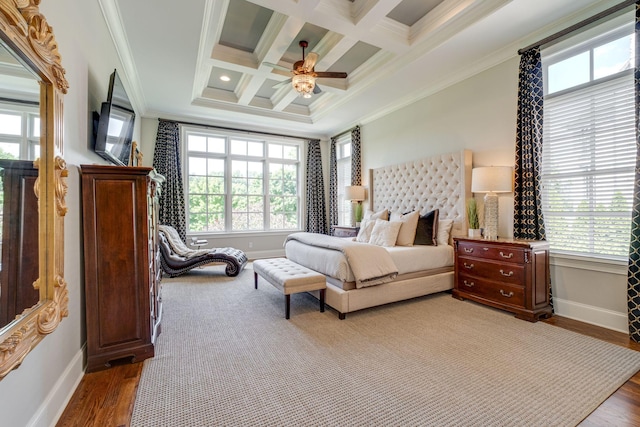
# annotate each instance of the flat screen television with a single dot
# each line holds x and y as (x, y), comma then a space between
(115, 124)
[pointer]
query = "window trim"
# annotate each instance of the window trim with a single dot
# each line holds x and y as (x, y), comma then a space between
(228, 135)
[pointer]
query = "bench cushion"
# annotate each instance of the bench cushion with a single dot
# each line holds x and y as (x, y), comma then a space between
(288, 276)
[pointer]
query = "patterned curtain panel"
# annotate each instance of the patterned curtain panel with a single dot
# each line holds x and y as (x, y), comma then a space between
(528, 222)
(316, 218)
(166, 160)
(633, 274)
(333, 184)
(356, 168)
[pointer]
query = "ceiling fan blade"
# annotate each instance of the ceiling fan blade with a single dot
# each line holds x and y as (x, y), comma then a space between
(330, 74)
(276, 66)
(310, 61)
(316, 89)
(281, 84)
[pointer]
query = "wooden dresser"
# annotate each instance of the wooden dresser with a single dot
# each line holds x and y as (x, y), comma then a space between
(20, 264)
(121, 263)
(512, 275)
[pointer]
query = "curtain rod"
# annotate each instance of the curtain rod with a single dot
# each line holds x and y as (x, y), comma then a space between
(579, 25)
(346, 131)
(238, 130)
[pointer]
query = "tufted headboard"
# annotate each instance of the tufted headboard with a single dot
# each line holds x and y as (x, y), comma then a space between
(442, 182)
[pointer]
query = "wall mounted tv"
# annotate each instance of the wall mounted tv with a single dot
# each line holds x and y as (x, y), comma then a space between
(115, 125)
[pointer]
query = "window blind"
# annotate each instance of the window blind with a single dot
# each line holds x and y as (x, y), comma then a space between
(588, 162)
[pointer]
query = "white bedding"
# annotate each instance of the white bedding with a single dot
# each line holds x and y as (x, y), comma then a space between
(408, 259)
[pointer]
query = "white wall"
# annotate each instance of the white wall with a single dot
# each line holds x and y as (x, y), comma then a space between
(37, 392)
(480, 114)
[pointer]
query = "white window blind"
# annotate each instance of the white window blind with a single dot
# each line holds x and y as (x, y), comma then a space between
(588, 165)
(343, 154)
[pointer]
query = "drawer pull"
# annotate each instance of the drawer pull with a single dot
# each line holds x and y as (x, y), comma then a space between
(468, 266)
(468, 250)
(469, 284)
(504, 294)
(506, 274)
(506, 256)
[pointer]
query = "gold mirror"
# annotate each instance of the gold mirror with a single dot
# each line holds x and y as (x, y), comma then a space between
(33, 293)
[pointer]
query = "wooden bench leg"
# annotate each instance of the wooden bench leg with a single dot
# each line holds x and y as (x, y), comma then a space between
(342, 316)
(287, 299)
(322, 292)
(255, 278)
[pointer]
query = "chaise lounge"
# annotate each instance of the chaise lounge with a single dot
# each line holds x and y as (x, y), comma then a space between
(177, 259)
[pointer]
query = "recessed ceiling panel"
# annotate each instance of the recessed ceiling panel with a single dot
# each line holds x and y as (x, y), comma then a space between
(244, 24)
(408, 12)
(219, 76)
(267, 90)
(355, 57)
(309, 32)
(299, 100)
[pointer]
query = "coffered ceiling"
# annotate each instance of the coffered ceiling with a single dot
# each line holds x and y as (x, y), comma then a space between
(175, 54)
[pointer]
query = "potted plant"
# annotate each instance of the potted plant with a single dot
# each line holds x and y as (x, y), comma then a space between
(472, 216)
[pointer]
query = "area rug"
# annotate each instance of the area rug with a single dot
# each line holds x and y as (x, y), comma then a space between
(228, 357)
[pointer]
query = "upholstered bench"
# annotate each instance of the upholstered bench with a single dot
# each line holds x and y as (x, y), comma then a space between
(290, 278)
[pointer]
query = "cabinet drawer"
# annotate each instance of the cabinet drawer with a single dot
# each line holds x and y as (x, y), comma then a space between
(499, 271)
(345, 231)
(489, 251)
(499, 292)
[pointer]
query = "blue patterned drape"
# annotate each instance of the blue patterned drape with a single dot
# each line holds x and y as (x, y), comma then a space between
(528, 222)
(316, 218)
(633, 274)
(356, 168)
(166, 161)
(333, 184)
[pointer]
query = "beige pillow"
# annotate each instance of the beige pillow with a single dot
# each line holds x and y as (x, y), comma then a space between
(444, 231)
(407, 233)
(385, 233)
(364, 234)
(383, 214)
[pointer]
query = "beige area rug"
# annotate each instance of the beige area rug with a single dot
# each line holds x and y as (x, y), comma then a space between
(227, 357)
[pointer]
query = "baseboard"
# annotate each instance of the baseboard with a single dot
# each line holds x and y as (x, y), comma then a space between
(265, 254)
(56, 401)
(593, 315)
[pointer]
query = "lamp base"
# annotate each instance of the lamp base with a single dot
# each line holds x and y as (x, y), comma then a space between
(357, 214)
(491, 216)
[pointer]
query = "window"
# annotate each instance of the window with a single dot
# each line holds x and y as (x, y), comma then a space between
(239, 183)
(343, 157)
(589, 145)
(19, 132)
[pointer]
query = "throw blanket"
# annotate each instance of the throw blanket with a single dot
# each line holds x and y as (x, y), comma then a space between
(371, 264)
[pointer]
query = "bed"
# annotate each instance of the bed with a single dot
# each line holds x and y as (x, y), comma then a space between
(439, 182)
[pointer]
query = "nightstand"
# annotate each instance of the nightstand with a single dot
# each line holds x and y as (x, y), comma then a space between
(508, 274)
(344, 231)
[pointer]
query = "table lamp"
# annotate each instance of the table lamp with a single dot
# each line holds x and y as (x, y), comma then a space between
(355, 193)
(491, 180)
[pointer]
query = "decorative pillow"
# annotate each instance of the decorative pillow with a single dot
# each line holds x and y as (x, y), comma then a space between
(444, 231)
(383, 214)
(385, 233)
(427, 229)
(407, 232)
(364, 235)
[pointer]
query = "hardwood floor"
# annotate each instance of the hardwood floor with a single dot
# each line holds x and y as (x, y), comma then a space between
(106, 398)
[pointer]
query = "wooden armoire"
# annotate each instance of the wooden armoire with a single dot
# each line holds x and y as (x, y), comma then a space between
(121, 263)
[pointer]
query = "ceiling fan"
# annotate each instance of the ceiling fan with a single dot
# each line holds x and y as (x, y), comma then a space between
(304, 76)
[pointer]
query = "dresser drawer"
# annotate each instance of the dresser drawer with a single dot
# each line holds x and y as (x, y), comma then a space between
(499, 271)
(503, 293)
(489, 251)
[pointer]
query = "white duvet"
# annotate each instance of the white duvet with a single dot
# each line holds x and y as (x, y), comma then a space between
(408, 259)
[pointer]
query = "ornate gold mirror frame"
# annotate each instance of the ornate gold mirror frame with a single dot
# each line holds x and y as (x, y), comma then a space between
(25, 31)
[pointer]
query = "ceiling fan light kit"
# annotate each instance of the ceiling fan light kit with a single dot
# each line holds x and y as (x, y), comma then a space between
(304, 75)
(304, 84)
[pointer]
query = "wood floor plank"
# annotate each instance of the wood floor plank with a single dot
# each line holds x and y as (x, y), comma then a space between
(106, 398)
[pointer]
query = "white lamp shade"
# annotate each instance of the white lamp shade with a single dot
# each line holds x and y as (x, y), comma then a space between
(492, 179)
(354, 193)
